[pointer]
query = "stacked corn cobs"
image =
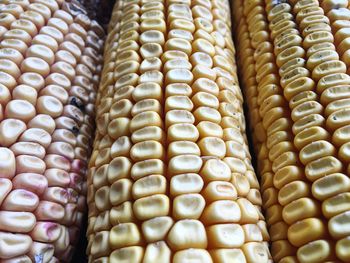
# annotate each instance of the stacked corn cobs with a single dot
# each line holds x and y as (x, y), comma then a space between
(294, 59)
(170, 177)
(49, 57)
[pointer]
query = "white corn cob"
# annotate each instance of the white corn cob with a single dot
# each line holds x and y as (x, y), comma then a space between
(49, 56)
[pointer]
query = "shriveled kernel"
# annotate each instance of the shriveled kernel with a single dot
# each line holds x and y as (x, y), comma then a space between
(241, 184)
(214, 212)
(178, 117)
(118, 168)
(178, 102)
(179, 76)
(201, 58)
(316, 150)
(184, 164)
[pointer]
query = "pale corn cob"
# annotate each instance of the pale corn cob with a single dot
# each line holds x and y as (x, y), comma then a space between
(170, 177)
(49, 56)
(314, 195)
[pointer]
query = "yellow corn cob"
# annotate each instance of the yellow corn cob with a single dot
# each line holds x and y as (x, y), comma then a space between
(49, 70)
(294, 50)
(170, 178)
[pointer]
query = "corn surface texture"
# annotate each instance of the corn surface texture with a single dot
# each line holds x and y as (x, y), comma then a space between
(49, 71)
(170, 177)
(294, 59)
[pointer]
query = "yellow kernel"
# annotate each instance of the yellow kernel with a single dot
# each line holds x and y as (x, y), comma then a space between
(187, 233)
(151, 206)
(157, 228)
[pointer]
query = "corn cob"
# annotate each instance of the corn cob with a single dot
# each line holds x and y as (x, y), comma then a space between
(311, 186)
(170, 177)
(49, 56)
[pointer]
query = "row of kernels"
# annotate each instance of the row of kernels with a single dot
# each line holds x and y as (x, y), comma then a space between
(335, 77)
(249, 74)
(186, 184)
(124, 107)
(184, 163)
(148, 97)
(281, 152)
(70, 213)
(338, 14)
(251, 96)
(182, 135)
(196, 61)
(321, 187)
(266, 74)
(154, 205)
(80, 98)
(83, 82)
(104, 171)
(335, 95)
(115, 16)
(248, 77)
(239, 143)
(210, 133)
(151, 205)
(304, 104)
(239, 182)
(249, 24)
(193, 191)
